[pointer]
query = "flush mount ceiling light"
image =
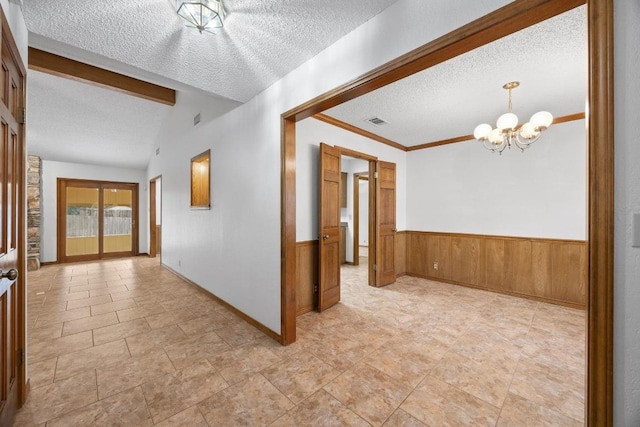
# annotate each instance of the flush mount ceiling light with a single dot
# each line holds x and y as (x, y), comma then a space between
(205, 15)
(507, 132)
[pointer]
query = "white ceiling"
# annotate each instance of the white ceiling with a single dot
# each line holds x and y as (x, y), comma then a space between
(261, 42)
(449, 100)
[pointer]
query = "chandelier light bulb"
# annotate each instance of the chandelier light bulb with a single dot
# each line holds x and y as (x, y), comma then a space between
(507, 121)
(542, 120)
(495, 137)
(482, 131)
(528, 131)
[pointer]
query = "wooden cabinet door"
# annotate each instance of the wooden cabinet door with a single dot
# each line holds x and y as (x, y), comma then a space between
(329, 228)
(386, 223)
(12, 295)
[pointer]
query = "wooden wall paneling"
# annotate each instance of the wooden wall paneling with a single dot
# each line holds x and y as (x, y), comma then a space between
(417, 254)
(444, 257)
(568, 266)
(401, 253)
(518, 268)
(492, 263)
(306, 275)
(541, 269)
(432, 255)
(465, 260)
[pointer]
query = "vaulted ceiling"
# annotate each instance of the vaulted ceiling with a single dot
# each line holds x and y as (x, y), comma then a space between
(261, 42)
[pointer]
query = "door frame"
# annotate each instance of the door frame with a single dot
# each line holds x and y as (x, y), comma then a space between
(61, 220)
(357, 177)
(509, 19)
(153, 230)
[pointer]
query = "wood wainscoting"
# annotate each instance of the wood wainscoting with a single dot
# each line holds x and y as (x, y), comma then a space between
(306, 275)
(550, 270)
(401, 253)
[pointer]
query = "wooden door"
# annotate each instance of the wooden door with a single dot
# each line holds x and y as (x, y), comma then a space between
(329, 228)
(12, 82)
(386, 223)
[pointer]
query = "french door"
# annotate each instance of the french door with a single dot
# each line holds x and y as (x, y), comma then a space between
(96, 219)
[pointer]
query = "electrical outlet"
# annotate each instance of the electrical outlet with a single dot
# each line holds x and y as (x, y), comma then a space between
(435, 265)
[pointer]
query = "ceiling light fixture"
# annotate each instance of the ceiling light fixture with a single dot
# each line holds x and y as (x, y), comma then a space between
(205, 15)
(507, 132)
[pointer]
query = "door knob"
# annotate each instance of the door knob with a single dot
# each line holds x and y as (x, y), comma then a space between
(394, 229)
(325, 236)
(11, 274)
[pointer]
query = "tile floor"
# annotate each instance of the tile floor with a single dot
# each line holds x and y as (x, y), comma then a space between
(125, 342)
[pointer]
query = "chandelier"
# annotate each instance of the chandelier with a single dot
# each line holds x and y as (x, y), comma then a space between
(205, 15)
(507, 132)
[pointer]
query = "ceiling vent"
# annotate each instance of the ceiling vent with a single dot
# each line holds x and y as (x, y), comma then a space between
(377, 121)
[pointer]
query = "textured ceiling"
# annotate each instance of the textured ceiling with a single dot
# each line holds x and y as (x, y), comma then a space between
(449, 100)
(261, 41)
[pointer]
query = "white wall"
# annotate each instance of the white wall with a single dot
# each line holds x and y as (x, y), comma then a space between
(233, 250)
(18, 27)
(309, 134)
(364, 213)
(158, 201)
(626, 367)
(541, 192)
(350, 166)
(51, 171)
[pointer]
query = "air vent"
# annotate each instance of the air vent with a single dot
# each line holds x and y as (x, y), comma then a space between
(196, 119)
(377, 121)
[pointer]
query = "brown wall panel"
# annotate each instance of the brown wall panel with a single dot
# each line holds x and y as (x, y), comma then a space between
(401, 253)
(551, 270)
(307, 275)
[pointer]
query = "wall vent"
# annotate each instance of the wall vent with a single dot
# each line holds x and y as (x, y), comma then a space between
(196, 119)
(377, 121)
(157, 151)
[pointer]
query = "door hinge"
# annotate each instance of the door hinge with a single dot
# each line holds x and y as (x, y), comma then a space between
(315, 288)
(375, 267)
(375, 175)
(22, 115)
(20, 357)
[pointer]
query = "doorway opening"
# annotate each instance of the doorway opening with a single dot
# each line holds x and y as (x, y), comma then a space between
(155, 216)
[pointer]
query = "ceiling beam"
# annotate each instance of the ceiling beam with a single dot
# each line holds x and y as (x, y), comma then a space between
(60, 66)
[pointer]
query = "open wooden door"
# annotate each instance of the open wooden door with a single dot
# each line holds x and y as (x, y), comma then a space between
(386, 223)
(12, 252)
(329, 228)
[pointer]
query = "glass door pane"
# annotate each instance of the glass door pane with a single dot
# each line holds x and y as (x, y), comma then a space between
(118, 226)
(82, 221)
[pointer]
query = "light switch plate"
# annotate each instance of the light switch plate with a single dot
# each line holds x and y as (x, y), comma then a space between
(635, 229)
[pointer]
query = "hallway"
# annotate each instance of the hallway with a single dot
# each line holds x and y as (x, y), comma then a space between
(126, 342)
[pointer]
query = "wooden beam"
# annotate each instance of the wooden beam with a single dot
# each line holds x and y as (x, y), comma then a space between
(49, 63)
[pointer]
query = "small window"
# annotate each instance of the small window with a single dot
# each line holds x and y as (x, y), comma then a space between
(201, 180)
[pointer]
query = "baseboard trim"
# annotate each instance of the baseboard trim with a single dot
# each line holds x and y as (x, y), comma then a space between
(228, 306)
(304, 310)
(503, 292)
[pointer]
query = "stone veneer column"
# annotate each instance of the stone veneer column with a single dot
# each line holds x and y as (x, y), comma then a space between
(34, 188)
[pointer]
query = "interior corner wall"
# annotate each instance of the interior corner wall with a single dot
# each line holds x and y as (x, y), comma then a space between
(626, 362)
(51, 171)
(309, 134)
(541, 192)
(233, 250)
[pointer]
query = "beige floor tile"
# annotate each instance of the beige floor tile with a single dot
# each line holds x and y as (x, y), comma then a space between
(172, 393)
(46, 349)
(339, 351)
(405, 365)
(436, 403)
(124, 409)
(85, 324)
(71, 364)
(112, 306)
(518, 411)
(132, 372)
(239, 334)
(300, 376)
(107, 291)
(86, 302)
(86, 287)
(159, 338)
(63, 316)
(138, 312)
(191, 417)
(554, 387)
(42, 373)
(369, 393)
(320, 409)
(210, 322)
(119, 331)
(241, 362)
(64, 295)
(195, 348)
(51, 331)
(252, 402)
(54, 400)
(402, 419)
(481, 380)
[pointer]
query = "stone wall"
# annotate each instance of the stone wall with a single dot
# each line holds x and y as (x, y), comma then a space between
(34, 188)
